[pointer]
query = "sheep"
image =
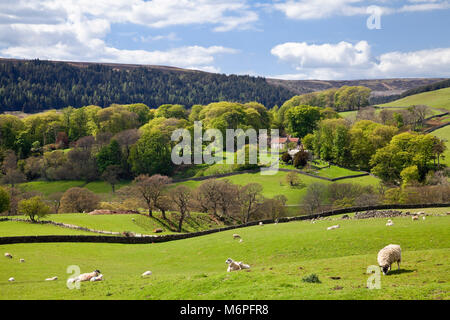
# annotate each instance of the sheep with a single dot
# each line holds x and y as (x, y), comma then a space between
(98, 278)
(52, 278)
(146, 273)
(8, 255)
(388, 255)
(260, 223)
(22, 260)
(236, 236)
(243, 265)
(11, 279)
(414, 218)
(85, 277)
(232, 265)
(421, 213)
(389, 223)
(333, 227)
(240, 241)
(423, 218)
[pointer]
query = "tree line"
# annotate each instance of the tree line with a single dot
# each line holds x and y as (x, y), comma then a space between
(33, 86)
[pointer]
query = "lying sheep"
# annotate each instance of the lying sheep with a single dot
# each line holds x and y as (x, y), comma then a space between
(51, 279)
(85, 277)
(236, 236)
(22, 260)
(333, 227)
(146, 273)
(423, 218)
(8, 255)
(11, 279)
(240, 241)
(235, 266)
(388, 255)
(414, 218)
(260, 223)
(389, 223)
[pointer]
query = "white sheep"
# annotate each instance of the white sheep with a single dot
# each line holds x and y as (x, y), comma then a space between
(97, 278)
(233, 265)
(240, 241)
(146, 273)
(8, 255)
(260, 223)
(11, 279)
(22, 260)
(388, 255)
(243, 265)
(52, 278)
(333, 227)
(414, 218)
(236, 236)
(389, 223)
(423, 218)
(85, 277)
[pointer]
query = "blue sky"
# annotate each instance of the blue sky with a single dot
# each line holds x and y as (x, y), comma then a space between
(288, 39)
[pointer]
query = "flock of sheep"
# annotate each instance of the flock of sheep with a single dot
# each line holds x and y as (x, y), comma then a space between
(386, 257)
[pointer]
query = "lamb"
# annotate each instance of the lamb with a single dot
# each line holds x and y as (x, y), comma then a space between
(388, 255)
(414, 218)
(98, 278)
(146, 273)
(8, 255)
(389, 223)
(85, 277)
(52, 279)
(333, 227)
(235, 266)
(236, 236)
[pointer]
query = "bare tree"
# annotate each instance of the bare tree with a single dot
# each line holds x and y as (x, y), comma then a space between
(111, 175)
(208, 196)
(55, 201)
(151, 190)
(181, 197)
(315, 196)
(419, 113)
(228, 199)
(250, 198)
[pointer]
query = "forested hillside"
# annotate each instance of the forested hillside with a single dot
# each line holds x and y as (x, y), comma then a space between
(32, 86)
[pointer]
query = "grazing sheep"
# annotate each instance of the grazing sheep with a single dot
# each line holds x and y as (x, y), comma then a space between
(51, 279)
(236, 236)
(8, 255)
(388, 255)
(389, 223)
(333, 227)
(85, 277)
(232, 265)
(22, 260)
(146, 273)
(414, 218)
(98, 278)
(11, 279)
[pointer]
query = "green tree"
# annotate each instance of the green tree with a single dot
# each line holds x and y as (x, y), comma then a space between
(4, 200)
(34, 208)
(110, 155)
(302, 120)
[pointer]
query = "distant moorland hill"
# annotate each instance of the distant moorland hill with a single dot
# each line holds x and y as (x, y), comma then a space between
(35, 85)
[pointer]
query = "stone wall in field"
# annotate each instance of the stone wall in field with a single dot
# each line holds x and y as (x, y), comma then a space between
(143, 239)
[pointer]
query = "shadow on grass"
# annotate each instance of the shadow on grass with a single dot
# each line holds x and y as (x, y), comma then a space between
(394, 272)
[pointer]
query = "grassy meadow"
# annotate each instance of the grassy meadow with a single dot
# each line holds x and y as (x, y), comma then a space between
(444, 133)
(439, 99)
(280, 255)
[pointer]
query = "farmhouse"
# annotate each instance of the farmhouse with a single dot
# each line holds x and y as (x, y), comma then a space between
(283, 142)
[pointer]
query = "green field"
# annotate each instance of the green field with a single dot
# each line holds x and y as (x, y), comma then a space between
(17, 228)
(444, 133)
(276, 184)
(49, 187)
(280, 256)
(439, 99)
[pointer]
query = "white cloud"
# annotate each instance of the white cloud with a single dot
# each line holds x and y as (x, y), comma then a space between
(76, 29)
(319, 9)
(354, 61)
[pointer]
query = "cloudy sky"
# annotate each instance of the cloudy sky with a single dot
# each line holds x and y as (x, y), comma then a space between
(288, 39)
